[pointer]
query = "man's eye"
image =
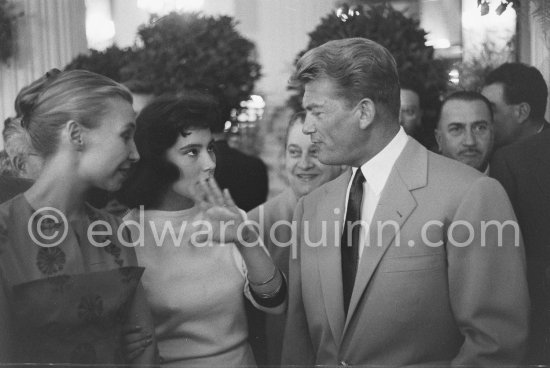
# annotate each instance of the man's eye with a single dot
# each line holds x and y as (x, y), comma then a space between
(481, 128)
(127, 136)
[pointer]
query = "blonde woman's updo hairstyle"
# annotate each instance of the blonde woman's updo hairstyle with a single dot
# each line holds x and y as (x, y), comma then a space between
(47, 104)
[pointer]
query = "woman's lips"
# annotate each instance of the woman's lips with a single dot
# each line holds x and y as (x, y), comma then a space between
(306, 177)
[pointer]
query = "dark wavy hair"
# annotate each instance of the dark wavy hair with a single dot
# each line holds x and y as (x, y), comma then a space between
(159, 125)
(522, 83)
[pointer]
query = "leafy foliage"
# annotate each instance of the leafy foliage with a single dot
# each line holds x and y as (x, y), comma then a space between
(473, 72)
(402, 36)
(7, 33)
(110, 62)
(184, 51)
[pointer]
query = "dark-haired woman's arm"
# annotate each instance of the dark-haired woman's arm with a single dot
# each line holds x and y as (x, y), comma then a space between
(228, 225)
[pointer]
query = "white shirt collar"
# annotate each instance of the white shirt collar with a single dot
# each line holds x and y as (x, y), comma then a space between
(486, 172)
(377, 169)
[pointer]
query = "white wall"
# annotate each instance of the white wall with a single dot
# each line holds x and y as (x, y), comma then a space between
(127, 17)
(539, 30)
(50, 34)
(279, 28)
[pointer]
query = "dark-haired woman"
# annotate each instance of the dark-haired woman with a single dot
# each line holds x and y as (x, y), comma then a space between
(67, 285)
(197, 272)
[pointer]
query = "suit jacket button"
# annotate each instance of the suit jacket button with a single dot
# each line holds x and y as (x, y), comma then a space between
(343, 364)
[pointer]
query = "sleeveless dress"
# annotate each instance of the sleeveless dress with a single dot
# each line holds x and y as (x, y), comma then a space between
(64, 303)
(196, 293)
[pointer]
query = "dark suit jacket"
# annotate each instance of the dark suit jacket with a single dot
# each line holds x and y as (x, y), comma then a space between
(523, 168)
(419, 297)
(245, 176)
(11, 186)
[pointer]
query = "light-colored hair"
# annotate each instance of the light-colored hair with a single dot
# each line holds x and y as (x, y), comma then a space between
(16, 139)
(6, 167)
(48, 103)
(359, 67)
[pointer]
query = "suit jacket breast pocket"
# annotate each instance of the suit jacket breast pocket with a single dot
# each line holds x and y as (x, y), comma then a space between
(411, 263)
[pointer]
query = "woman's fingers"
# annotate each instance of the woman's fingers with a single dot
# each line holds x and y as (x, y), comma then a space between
(216, 193)
(228, 199)
(132, 334)
(131, 355)
(135, 341)
(128, 329)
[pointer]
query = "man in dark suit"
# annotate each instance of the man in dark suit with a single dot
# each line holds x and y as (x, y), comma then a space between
(420, 280)
(518, 96)
(523, 169)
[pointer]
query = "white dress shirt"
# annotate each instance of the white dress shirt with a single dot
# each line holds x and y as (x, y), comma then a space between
(376, 172)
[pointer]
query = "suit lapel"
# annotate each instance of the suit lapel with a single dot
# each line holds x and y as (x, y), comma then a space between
(395, 206)
(329, 257)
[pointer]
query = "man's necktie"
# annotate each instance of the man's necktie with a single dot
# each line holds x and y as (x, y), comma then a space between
(350, 244)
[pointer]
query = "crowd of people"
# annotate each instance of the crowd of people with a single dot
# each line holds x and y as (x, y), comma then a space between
(145, 240)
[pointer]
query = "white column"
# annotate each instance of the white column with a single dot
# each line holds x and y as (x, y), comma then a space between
(540, 42)
(49, 35)
(279, 28)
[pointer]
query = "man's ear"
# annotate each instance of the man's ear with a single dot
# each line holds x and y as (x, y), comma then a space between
(18, 163)
(522, 111)
(75, 134)
(367, 112)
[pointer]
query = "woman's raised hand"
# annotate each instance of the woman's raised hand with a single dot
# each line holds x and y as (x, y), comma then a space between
(223, 215)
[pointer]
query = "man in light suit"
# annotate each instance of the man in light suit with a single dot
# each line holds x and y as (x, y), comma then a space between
(430, 281)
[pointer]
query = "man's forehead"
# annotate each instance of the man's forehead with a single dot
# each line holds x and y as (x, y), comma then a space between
(313, 98)
(408, 96)
(493, 91)
(319, 92)
(461, 111)
(310, 102)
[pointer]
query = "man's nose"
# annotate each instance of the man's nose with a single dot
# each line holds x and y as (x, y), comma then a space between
(134, 154)
(308, 127)
(469, 138)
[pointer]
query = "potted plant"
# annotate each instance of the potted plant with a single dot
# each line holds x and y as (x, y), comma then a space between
(183, 51)
(402, 36)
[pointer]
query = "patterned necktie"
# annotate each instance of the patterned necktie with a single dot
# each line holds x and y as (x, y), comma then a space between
(350, 244)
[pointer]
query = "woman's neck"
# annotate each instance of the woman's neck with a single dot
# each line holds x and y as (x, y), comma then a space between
(172, 201)
(58, 187)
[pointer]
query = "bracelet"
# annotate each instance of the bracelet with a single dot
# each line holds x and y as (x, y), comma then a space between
(270, 294)
(265, 282)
